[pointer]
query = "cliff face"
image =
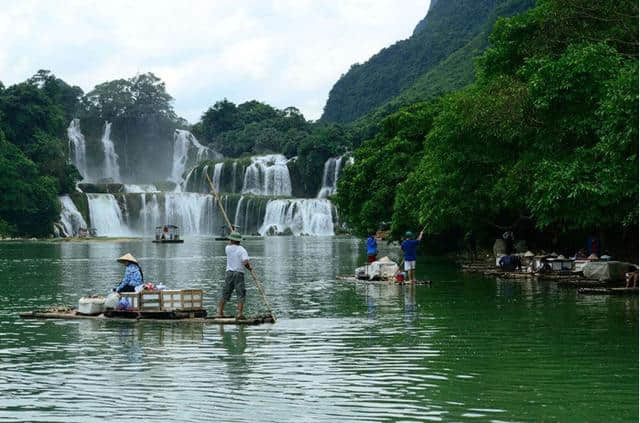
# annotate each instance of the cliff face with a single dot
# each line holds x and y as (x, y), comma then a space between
(450, 28)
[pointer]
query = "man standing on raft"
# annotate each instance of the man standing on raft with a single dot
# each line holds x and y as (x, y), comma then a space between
(409, 246)
(237, 261)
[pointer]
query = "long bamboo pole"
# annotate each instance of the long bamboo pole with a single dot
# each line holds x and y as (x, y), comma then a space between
(231, 229)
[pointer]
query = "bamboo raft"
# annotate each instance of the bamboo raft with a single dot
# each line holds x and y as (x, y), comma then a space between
(608, 291)
(382, 281)
(135, 316)
(564, 279)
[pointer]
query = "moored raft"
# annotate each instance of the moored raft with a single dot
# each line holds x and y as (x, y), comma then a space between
(608, 291)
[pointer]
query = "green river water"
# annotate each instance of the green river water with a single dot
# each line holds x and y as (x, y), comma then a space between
(466, 348)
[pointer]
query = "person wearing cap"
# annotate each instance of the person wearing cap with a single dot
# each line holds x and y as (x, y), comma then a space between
(409, 246)
(237, 261)
(132, 275)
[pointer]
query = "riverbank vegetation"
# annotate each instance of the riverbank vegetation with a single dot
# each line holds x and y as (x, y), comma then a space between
(544, 142)
(33, 153)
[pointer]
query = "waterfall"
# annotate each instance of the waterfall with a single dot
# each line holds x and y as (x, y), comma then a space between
(267, 175)
(137, 188)
(217, 172)
(106, 217)
(188, 152)
(300, 216)
(236, 219)
(77, 148)
(110, 168)
(150, 215)
(193, 213)
(70, 218)
(332, 169)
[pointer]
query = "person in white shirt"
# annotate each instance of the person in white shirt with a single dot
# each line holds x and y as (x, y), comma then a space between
(237, 261)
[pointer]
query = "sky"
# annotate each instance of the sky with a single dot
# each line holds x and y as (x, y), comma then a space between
(282, 52)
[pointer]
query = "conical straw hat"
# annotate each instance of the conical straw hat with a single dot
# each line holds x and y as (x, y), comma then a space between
(128, 257)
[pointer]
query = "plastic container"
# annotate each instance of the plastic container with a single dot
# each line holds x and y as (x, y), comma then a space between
(91, 306)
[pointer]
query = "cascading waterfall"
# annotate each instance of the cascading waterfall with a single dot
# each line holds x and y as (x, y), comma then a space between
(71, 221)
(332, 169)
(110, 168)
(78, 148)
(299, 216)
(267, 175)
(149, 214)
(188, 152)
(105, 215)
(217, 171)
(137, 188)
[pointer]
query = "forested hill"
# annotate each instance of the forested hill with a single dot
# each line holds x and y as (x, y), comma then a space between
(443, 44)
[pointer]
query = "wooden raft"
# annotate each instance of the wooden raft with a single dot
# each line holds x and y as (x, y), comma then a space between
(608, 291)
(135, 316)
(382, 281)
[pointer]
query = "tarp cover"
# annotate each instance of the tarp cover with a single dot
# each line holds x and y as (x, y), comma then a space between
(607, 270)
(383, 268)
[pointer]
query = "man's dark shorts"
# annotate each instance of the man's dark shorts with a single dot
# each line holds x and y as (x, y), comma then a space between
(234, 280)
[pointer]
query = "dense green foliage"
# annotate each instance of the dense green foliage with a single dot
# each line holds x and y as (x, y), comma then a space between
(251, 127)
(28, 202)
(33, 117)
(143, 122)
(547, 138)
(436, 59)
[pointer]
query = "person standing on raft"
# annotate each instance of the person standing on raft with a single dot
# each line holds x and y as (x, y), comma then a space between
(132, 275)
(409, 246)
(372, 247)
(237, 261)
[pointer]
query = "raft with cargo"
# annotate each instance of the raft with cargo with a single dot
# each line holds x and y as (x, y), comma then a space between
(383, 270)
(149, 305)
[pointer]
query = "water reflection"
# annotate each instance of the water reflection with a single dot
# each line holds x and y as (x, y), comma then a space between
(234, 342)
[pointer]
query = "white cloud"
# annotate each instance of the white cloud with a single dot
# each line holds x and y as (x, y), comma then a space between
(283, 52)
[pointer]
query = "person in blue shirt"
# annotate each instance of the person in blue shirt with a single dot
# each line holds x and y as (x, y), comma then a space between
(372, 247)
(409, 247)
(132, 275)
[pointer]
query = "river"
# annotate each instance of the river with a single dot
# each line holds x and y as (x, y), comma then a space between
(467, 348)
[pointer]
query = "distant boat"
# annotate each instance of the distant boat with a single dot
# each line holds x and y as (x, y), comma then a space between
(168, 234)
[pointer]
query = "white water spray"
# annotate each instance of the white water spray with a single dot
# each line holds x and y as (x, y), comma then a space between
(331, 173)
(188, 152)
(78, 148)
(106, 216)
(110, 167)
(70, 218)
(267, 175)
(301, 217)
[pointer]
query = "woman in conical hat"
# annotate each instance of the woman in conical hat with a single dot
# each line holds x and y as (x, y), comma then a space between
(132, 275)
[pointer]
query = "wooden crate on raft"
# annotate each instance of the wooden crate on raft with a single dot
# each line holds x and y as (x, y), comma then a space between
(182, 299)
(166, 300)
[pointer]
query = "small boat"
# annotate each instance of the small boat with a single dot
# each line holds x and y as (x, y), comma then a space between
(168, 234)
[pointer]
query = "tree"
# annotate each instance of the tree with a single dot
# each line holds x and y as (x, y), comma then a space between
(28, 202)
